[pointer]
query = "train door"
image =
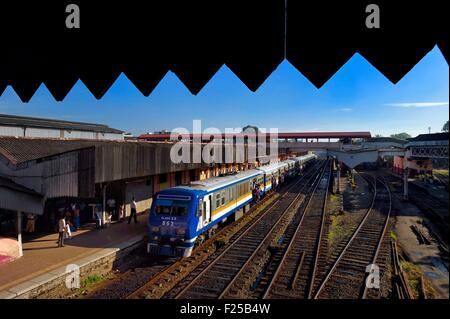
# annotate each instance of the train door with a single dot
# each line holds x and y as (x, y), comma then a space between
(207, 210)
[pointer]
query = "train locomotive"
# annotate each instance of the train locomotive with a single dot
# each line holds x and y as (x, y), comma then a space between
(183, 216)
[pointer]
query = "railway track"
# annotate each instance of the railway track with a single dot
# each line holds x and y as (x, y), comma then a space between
(435, 209)
(198, 261)
(292, 276)
(216, 278)
(347, 276)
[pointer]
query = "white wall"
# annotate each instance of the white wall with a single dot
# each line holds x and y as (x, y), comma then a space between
(79, 134)
(57, 133)
(40, 132)
(11, 131)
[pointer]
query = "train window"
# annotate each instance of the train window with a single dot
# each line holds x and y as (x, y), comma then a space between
(179, 211)
(163, 210)
(217, 200)
(223, 198)
(172, 207)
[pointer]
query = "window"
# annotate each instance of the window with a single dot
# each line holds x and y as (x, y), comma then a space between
(217, 200)
(223, 197)
(172, 207)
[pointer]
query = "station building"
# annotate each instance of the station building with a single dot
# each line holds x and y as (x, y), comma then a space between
(422, 154)
(21, 126)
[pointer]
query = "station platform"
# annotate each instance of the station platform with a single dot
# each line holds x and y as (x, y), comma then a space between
(44, 262)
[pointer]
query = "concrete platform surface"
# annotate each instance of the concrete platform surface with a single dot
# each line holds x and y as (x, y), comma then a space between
(43, 260)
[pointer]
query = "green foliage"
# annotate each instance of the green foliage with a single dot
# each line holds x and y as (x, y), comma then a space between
(401, 136)
(393, 235)
(338, 230)
(92, 280)
(445, 127)
(413, 273)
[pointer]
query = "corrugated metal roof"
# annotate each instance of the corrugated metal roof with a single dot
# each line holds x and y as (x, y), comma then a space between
(20, 150)
(23, 121)
(430, 137)
(7, 183)
(19, 198)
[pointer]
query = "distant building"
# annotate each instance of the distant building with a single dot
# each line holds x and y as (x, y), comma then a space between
(129, 137)
(21, 126)
(383, 142)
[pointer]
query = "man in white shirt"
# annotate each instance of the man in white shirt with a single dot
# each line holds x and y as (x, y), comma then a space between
(133, 211)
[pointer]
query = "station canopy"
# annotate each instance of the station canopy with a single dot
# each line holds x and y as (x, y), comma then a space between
(145, 39)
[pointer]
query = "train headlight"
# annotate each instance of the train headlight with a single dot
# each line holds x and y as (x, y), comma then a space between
(155, 238)
(181, 231)
(155, 229)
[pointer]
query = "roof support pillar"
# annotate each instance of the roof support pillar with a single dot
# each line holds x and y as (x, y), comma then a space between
(104, 203)
(19, 232)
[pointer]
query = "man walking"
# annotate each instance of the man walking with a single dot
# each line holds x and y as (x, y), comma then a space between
(61, 230)
(133, 211)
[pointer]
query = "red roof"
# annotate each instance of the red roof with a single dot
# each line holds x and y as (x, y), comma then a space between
(162, 137)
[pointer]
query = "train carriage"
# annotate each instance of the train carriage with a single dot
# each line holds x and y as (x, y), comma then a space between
(272, 172)
(182, 216)
(291, 167)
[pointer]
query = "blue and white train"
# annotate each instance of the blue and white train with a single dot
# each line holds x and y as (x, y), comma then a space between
(182, 216)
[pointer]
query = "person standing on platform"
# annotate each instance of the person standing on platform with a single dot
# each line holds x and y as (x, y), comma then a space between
(76, 216)
(31, 219)
(61, 230)
(68, 232)
(133, 211)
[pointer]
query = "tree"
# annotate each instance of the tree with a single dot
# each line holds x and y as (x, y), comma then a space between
(401, 136)
(445, 127)
(378, 135)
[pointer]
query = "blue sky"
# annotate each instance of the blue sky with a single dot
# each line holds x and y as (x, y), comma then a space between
(357, 97)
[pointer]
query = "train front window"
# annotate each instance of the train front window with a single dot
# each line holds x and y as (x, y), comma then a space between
(170, 207)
